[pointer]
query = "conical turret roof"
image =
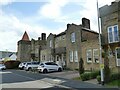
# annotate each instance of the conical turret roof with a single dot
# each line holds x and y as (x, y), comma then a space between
(25, 37)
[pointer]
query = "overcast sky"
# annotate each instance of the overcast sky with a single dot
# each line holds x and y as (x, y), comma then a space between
(37, 16)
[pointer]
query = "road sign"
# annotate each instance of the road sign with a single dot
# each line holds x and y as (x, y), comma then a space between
(102, 66)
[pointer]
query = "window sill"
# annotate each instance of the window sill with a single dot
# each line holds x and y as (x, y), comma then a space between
(113, 42)
(89, 62)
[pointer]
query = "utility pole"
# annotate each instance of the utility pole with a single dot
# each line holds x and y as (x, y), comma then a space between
(100, 48)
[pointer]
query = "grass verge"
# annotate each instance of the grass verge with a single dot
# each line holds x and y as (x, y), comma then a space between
(77, 78)
(115, 83)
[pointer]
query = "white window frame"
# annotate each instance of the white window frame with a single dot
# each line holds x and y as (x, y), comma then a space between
(95, 56)
(89, 50)
(73, 37)
(76, 56)
(117, 59)
(113, 34)
(50, 43)
(71, 56)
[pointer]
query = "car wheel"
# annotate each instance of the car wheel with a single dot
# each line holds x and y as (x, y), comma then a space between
(29, 69)
(22, 68)
(59, 69)
(45, 71)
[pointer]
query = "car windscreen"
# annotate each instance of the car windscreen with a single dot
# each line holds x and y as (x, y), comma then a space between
(28, 63)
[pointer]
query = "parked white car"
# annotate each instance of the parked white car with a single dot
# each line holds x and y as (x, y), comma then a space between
(22, 65)
(49, 67)
(31, 65)
(2, 67)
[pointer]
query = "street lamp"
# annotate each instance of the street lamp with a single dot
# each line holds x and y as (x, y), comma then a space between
(101, 63)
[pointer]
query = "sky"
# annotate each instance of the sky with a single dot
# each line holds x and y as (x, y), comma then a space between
(42, 16)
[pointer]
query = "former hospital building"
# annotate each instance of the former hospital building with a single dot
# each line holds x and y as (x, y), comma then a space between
(65, 48)
(76, 42)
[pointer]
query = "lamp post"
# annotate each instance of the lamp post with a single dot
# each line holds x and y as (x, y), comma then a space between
(100, 48)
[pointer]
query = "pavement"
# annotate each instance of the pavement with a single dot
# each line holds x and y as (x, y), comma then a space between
(65, 74)
(70, 75)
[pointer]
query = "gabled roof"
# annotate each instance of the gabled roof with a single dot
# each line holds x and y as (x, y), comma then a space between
(89, 30)
(25, 37)
(60, 34)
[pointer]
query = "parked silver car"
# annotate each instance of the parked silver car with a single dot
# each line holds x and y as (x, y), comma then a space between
(31, 65)
(2, 67)
(49, 67)
(22, 65)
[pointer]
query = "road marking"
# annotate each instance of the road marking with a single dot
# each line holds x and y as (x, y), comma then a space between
(4, 72)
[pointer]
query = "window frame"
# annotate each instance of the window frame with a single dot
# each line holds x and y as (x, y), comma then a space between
(76, 56)
(116, 56)
(88, 61)
(72, 37)
(71, 56)
(95, 56)
(50, 43)
(113, 34)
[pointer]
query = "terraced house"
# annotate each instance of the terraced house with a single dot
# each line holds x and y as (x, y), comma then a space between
(67, 47)
(110, 25)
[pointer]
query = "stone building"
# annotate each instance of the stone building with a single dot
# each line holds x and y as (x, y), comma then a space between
(60, 48)
(110, 27)
(55, 49)
(82, 42)
(47, 53)
(24, 48)
(65, 48)
(30, 50)
(77, 41)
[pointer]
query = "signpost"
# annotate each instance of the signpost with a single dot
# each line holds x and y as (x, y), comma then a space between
(101, 63)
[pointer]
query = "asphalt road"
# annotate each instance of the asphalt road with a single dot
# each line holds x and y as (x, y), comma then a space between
(22, 80)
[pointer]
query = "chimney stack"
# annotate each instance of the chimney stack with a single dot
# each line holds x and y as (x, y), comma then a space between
(43, 36)
(39, 38)
(86, 23)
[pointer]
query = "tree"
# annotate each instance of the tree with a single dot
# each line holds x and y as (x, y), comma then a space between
(81, 67)
(106, 67)
(106, 70)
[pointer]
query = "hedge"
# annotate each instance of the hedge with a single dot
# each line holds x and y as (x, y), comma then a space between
(88, 76)
(114, 76)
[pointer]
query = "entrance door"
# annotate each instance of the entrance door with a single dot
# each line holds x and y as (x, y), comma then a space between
(118, 56)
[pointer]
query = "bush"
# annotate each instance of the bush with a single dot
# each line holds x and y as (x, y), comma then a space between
(85, 76)
(114, 76)
(81, 68)
(99, 79)
(106, 70)
(91, 75)
(94, 74)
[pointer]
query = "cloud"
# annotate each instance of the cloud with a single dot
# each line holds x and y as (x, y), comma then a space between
(52, 9)
(12, 28)
(6, 2)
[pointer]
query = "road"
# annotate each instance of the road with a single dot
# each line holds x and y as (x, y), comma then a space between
(20, 79)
